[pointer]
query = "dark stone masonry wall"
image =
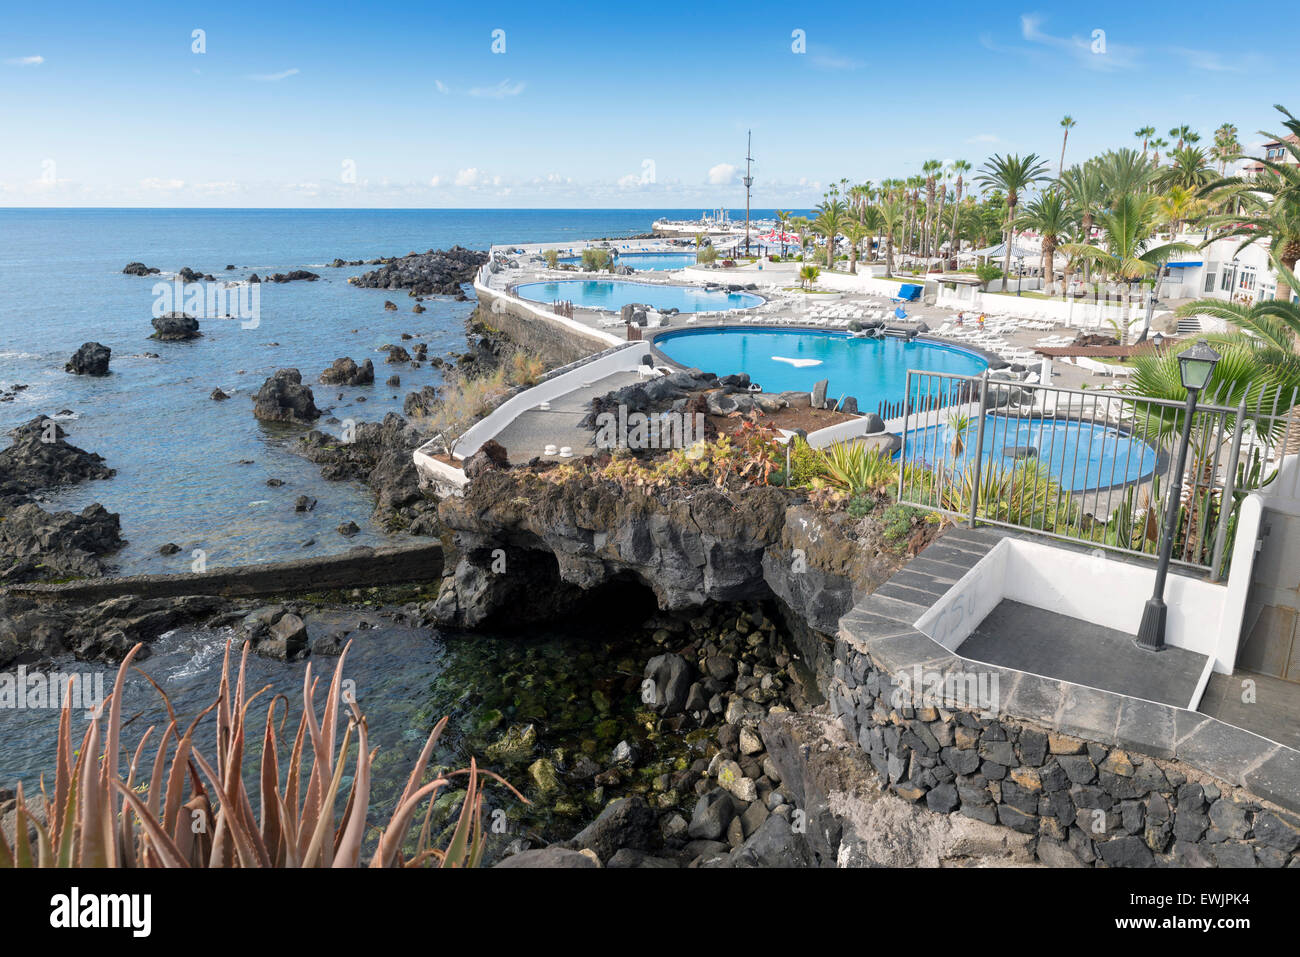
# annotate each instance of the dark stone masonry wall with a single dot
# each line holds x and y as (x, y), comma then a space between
(1086, 803)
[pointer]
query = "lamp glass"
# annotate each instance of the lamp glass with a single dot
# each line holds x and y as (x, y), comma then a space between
(1196, 365)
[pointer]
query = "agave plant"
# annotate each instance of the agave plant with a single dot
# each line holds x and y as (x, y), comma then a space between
(857, 469)
(1022, 494)
(98, 818)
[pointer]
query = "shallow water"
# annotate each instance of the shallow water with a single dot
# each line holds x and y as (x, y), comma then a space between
(577, 687)
(192, 470)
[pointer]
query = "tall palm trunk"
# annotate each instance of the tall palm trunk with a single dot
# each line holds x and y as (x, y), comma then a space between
(956, 210)
(1011, 235)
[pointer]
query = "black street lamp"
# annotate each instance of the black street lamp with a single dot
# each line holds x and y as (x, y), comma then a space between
(1020, 272)
(1195, 366)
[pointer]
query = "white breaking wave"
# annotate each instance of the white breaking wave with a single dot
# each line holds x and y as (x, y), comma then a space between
(798, 363)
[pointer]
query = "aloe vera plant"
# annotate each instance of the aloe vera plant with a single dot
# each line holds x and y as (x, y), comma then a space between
(193, 812)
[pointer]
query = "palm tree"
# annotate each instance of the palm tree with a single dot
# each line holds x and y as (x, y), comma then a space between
(1156, 146)
(1270, 207)
(961, 168)
(930, 170)
(1189, 168)
(1012, 174)
(808, 276)
(854, 231)
(874, 223)
(893, 213)
(1182, 133)
(1178, 205)
(1049, 214)
(1067, 123)
(830, 217)
(1226, 146)
(782, 217)
(1145, 135)
(1123, 171)
(1123, 253)
(1086, 191)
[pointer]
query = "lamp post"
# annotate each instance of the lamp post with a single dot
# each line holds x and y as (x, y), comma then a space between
(1020, 272)
(1195, 366)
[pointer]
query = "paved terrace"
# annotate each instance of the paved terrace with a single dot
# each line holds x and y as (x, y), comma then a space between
(531, 432)
(774, 281)
(1249, 745)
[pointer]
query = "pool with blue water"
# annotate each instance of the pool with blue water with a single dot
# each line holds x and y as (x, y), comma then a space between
(647, 262)
(782, 360)
(611, 295)
(1082, 456)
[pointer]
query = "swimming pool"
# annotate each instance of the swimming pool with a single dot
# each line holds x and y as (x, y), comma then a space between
(1080, 455)
(612, 295)
(647, 262)
(781, 360)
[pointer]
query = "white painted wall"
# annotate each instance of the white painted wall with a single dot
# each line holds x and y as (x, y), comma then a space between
(1204, 617)
(623, 360)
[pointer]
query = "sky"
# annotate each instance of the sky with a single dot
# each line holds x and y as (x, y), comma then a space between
(430, 104)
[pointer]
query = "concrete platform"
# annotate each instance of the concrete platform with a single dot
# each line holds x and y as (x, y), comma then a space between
(1020, 636)
(1274, 712)
(527, 436)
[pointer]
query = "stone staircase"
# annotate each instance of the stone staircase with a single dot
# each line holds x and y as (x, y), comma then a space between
(1189, 326)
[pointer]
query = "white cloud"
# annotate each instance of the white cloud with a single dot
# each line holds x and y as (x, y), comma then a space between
(499, 91)
(162, 184)
(1212, 62)
(1111, 56)
(441, 87)
(630, 181)
(983, 138)
(26, 61)
(724, 174)
(473, 177)
(274, 77)
(435, 182)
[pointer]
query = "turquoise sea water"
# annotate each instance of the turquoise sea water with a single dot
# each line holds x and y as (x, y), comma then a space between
(192, 470)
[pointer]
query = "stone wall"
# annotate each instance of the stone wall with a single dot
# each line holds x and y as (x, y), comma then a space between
(553, 342)
(1085, 802)
(361, 567)
(1093, 777)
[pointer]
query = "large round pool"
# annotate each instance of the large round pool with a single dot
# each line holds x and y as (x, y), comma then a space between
(647, 262)
(612, 295)
(1080, 455)
(781, 360)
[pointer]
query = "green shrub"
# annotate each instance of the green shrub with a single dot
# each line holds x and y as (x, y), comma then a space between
(861, 506)
(595, 260)
(552, 257)
(806, 463)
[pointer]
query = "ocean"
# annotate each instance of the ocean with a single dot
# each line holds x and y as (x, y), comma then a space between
(190, 470)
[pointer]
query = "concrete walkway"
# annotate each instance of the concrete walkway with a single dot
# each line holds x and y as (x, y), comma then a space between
(1274, 711)
(528, 435)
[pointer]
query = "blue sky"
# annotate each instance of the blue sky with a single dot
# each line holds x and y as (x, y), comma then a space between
(590, 105)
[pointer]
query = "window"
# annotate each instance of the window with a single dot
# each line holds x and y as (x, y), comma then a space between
(1247, 278)
(1225, 281)
(1209, 281)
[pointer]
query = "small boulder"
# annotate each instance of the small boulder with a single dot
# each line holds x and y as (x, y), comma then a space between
(91, 359)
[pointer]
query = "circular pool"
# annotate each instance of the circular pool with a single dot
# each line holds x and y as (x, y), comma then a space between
(1081, 456)
(874, 371)
(612, 295)
(647, 262)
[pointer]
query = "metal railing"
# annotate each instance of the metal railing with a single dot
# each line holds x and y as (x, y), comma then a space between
(1088, 465)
